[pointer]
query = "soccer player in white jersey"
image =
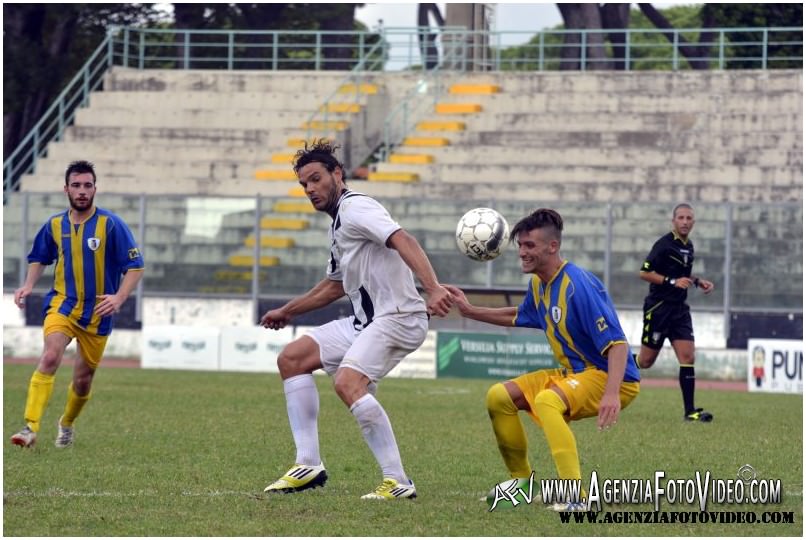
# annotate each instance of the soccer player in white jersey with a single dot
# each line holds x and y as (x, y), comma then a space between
(373, 261)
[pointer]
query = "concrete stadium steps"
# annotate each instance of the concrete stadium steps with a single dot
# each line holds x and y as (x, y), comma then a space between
(307, 100)
(195, 118)
(171, 80)
(648, 82)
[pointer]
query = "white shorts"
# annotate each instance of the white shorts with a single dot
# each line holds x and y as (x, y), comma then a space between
(373, 351)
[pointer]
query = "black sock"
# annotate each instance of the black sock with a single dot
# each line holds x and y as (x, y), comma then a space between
(687, 380)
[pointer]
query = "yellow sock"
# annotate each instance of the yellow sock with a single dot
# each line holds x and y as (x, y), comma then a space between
(550, 408)
(74, 405)
(39, 390)
(509, 432)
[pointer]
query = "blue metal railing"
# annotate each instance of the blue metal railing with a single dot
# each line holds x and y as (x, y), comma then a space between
(764, 48)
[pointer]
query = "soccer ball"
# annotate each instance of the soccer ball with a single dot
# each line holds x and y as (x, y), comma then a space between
(482, 234)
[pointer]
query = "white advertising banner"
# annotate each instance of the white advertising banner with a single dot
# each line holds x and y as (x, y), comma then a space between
(180, 347)
(252, 348)
(775, 365)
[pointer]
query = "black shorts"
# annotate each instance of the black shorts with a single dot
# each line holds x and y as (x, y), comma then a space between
(664, 320)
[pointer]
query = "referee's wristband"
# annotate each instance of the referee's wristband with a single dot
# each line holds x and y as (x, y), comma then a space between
(666, 280)
(696, 282)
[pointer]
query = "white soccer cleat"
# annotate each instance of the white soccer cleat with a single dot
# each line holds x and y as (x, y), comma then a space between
(65, 436)
(299, 478)
(26, 437)
(392, 489)
(569, 507)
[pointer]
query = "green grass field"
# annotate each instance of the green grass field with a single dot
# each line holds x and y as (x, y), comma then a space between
(165, 453)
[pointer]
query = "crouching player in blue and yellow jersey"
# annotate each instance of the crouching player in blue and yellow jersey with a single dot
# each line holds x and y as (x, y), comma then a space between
(599, 375)
(93, 248)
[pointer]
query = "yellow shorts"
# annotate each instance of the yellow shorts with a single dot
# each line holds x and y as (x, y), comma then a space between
(90, 347)
(582, 390)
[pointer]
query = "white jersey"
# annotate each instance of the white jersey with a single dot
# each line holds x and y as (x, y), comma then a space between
(375, 278)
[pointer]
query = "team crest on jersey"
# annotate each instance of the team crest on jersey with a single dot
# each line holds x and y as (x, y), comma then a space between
(556, 314)
(94, 243)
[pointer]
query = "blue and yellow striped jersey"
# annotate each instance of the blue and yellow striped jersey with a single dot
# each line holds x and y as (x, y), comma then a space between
(579, 319)
(90, 260)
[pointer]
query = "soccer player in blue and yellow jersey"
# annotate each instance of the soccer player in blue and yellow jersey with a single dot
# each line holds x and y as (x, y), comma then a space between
(98, 265)
(599, 375)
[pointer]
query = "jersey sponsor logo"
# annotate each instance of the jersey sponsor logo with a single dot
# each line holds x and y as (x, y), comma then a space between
(134, 253)
(556, 314)
(601, 324)
(93, 243)
(573, 383)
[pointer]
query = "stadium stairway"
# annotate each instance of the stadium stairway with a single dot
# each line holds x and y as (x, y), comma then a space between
(713, 136)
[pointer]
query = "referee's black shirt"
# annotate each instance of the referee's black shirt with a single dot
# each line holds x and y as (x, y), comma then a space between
(673, 257)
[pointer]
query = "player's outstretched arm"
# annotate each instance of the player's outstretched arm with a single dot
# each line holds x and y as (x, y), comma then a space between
(439, 299)
(322, 294)
(35, 271)
(503, 316)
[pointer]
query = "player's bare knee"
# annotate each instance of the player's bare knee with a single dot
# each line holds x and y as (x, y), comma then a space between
(49, 361)
(349, 389)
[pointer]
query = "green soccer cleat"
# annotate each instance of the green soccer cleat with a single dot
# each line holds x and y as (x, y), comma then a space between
(392, 489)
(698, 415)
(26, 437)
(65, 436)
(299, 478)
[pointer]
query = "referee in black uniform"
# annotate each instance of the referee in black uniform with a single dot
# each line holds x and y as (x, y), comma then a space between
(667, 268)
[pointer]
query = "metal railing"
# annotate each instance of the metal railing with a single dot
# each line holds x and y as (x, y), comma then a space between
(398, 48)
(753, 252)
(420, 100)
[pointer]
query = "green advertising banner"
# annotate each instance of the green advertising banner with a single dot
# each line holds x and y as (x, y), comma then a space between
(497, 356)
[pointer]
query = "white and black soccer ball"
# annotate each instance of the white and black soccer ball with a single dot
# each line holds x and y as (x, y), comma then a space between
(482, 234)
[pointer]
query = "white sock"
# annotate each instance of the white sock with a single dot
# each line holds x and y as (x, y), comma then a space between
(378, 433)
(302, 403)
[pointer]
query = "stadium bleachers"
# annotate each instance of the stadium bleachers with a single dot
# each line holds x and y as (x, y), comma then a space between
(577, 141)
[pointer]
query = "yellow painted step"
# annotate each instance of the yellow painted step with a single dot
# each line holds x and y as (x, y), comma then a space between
(393, 177)
(341, 108)
(474, 89)
(441, 126)
(338, 125)
(296, 191)
(299, 142)
(282, 159)
(363, 88)
(426, 141)
(294, 207)
(457, 108)
(235, 275)
(288, 224)
(411, 159)
(270, 242)
(275, 174)
(248, 260)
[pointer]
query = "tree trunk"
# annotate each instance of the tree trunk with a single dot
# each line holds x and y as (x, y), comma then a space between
(427, 39)
(337, 49)
(694, 53)
(617, 16)
(582, 16)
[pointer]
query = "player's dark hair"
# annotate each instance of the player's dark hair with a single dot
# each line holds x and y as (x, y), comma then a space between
(542, 218)
(79, 167)
(679, 206)
(322, 151)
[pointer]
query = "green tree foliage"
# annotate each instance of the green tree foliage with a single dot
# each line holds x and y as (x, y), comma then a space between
(651, 50)
(785, 47)
(43, 47)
